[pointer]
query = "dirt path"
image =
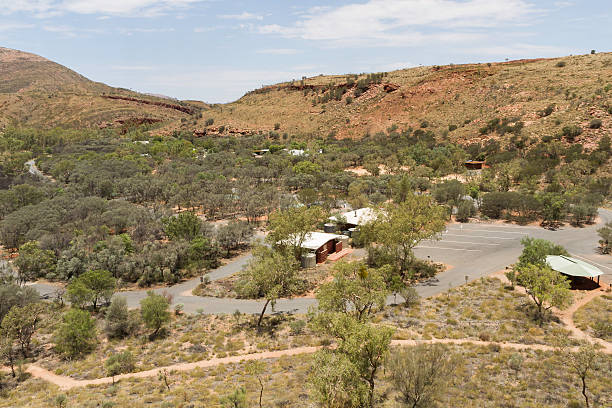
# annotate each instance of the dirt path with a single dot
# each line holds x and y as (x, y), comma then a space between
(66, 383)
(566, 316)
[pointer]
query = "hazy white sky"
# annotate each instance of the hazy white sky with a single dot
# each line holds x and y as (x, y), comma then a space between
(216, 50)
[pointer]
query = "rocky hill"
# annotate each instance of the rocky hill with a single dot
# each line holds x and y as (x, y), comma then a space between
(461, 102)
(37, 92)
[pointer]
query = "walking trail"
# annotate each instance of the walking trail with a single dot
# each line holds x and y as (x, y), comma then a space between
(67, 383)
(566, 316)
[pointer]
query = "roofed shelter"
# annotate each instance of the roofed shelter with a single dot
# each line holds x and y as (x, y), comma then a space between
(357, 217)
(475, 164)
(322, 244)
(573, 267)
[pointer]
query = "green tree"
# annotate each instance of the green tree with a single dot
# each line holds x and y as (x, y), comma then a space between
(356, 290)
(606, 237)
(334, 381)
(78, 294)
(290, 227)
(21, 323)
(12, 295)
(553, 207)
(364, 345)
(119, 363)
(154, 311)
(421, 373)
(118, 323)
(8, 355)
(546, 287)
(465, 210)
(271, 274)
(92, 287)
(186, 225)
(398, 228)
(76, 334)
(535, 251)
(33, 262)
(449, 192)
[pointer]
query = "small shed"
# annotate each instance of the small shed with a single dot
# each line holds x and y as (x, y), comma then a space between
(475, 164)
(573, 267)
(322, 244)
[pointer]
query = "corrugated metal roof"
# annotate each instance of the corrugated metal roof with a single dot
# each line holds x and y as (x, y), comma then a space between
(572, 266)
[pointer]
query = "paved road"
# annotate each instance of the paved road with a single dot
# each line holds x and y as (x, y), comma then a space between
(472, 250)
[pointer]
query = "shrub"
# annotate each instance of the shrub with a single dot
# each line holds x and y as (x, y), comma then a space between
(571, 132)
(411, 296)
(349, 100)
(118, 322)
(516, 362)
(119, 363)
(424, 124)
(547, 111)
(595, 124)
(210, 121)
(561, 64)
(452, 127)
(154, 311)
(276, 126)
(77, 334)
(465, 210)
(603, 328)
(297, 327)
(484, 336)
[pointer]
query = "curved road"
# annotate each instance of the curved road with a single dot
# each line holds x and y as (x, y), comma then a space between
(471, 250)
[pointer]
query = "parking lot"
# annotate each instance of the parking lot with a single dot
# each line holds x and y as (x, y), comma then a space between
(479, 249)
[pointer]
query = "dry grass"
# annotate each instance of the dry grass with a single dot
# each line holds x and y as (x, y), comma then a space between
(595, 317)
(484, 309)
(484, 379)
(189, 338)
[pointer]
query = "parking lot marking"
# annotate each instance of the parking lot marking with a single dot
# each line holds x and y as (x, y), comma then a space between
(474, 236)
(450, 249)
(498, 232)
(467, 242)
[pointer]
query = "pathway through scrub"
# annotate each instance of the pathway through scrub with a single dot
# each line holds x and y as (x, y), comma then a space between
(67, 383)
(566, 316)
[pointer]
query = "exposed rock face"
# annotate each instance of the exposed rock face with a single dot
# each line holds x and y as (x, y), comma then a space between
(180, 108)
(389, 87)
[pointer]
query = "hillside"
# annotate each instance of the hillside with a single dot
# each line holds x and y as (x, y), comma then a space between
(37, 92)
(576, 89)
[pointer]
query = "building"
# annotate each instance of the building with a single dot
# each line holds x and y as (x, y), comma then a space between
(322, 244)
(355, 218)
(475, 164)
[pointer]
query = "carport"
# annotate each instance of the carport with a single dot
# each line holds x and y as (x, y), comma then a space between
(573, 267)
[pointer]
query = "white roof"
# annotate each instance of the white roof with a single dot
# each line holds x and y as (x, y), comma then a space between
(358, 217)
(315, 240)
(572, 266)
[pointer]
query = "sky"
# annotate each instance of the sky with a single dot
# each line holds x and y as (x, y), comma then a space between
(215, 51)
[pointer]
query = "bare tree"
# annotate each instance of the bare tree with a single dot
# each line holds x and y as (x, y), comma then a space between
(421, 372)
(582, 363)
